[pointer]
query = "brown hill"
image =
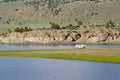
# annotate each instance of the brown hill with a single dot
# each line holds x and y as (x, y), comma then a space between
(21, 12)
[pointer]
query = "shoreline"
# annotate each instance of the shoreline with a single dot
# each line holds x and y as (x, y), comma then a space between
(64, 43)
(111, 55)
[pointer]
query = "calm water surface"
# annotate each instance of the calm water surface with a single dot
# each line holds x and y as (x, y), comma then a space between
(50, 69)
(24, 47)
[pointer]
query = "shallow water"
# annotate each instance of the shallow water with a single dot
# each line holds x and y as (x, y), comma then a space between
(50, 69)
(24, 47)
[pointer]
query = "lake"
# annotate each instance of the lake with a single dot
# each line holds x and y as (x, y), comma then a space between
(50, 69)
(27, 47)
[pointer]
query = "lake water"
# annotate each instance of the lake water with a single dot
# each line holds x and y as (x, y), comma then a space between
(50, 69)
(24, 47)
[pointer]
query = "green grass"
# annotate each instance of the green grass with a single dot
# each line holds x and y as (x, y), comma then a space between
(79, 54)
(110, 59)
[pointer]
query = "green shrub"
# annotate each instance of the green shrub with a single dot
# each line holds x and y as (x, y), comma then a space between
(3, 34)
(9, 31)
(79, 23)
(54, 26)
(70, 26)
(22, 29)
(0, 34)
(29, 29)
(26, 28)
(17, 29)
(110, 24)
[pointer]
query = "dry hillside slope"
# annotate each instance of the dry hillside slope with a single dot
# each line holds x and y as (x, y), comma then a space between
(22, 12)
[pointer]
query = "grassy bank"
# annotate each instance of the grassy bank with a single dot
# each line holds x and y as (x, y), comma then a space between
(97, 55)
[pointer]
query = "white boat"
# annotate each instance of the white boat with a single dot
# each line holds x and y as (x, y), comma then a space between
(80, 46)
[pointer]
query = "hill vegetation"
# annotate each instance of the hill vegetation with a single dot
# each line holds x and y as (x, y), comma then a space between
(39, 13)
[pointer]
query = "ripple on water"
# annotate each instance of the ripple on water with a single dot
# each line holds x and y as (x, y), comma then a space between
(50, 69)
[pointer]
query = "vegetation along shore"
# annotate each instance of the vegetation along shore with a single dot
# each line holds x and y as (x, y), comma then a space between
(95, 55)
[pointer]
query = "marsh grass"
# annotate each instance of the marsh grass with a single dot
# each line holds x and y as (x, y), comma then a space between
(95, 55)
(110, 59)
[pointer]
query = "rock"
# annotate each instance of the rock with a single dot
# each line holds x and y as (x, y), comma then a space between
(83, 35)
(70, 39)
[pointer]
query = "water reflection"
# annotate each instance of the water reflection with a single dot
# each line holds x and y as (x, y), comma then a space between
(24, 47)
(48, 69)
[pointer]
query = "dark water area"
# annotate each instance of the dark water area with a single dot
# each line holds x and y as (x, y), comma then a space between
(50, 69)
(28, 47)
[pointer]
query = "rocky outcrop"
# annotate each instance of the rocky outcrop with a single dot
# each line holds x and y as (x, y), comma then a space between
(82, 35)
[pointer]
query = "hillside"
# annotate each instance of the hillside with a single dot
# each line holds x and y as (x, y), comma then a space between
(39, 13)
